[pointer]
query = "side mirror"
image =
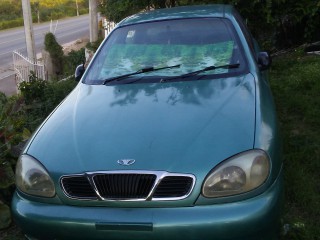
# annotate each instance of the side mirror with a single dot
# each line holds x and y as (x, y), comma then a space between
(79, 72)
(264, 60)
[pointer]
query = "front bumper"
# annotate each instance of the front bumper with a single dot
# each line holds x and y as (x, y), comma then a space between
(254, 218)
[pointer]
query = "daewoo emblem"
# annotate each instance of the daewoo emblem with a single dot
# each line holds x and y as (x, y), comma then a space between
(126, 162)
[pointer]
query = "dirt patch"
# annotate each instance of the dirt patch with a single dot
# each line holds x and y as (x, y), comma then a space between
(75, 45)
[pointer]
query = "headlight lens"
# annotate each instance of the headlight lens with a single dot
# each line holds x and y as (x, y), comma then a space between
(241, 173)
(32, 178)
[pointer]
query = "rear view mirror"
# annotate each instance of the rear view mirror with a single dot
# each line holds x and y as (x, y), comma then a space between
(79, 72)
(264, 60)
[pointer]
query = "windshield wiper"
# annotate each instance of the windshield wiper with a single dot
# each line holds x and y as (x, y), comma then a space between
(143, 70)
(194, 73)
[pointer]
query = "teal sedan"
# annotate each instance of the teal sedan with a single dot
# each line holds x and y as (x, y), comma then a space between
(171, 133)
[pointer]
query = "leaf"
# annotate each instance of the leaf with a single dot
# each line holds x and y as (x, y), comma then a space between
(6, 175)
(26, 134)
(5, 216)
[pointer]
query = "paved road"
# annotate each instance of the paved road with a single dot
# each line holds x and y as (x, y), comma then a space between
(67, 30)
(8, 85)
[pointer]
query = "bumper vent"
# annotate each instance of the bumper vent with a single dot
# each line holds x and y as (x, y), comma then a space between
(128, 186)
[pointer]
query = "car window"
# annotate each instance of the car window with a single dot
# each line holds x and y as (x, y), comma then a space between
(191, 43)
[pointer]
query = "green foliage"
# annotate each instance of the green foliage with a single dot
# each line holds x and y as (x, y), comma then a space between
(41, 97)
(33, 90)
(117, 10)
(9, 140)
(52, 10)
(55, 50)
(5, 24)
(10, 10)
(52, 46)
(19, 116)
(72, 60)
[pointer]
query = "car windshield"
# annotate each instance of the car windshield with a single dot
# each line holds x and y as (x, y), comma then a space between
(189, 44)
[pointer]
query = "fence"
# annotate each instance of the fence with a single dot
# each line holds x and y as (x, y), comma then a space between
(108, 26)
(23, 66)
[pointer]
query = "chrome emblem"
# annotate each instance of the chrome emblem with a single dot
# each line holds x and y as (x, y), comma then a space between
(126, 162)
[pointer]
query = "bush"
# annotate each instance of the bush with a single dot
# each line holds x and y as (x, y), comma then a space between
(32, 90)
(12, 132)
(52, 46)
(72, 60)
(19, 116)
(55, 50)
(11, 23)
(41, 97)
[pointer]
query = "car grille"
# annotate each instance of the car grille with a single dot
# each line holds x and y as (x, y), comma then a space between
(132, 186)
(114, 186)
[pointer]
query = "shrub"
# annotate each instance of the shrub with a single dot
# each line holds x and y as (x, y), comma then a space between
(32, 90)
(52, 46)
(55, 50)
(12, 133)
(19, 116)
(72, 60)
(11, 23)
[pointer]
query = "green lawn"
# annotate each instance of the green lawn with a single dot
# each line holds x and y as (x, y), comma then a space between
(295, 81)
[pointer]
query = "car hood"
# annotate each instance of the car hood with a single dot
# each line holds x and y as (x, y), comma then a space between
(182, 127)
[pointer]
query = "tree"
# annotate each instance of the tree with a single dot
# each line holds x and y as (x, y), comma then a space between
(116, 10)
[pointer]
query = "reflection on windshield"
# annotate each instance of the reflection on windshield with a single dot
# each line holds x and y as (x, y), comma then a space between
(191, 43)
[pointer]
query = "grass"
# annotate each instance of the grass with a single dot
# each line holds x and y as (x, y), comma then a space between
(295, 82)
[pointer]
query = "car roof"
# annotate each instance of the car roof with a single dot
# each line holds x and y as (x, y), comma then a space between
(199, 11)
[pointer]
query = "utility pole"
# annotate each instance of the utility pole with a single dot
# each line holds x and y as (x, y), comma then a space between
(28, 29)
(93, 13)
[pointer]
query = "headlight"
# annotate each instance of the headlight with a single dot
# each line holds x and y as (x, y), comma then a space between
(32, 178)
(241, 173)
